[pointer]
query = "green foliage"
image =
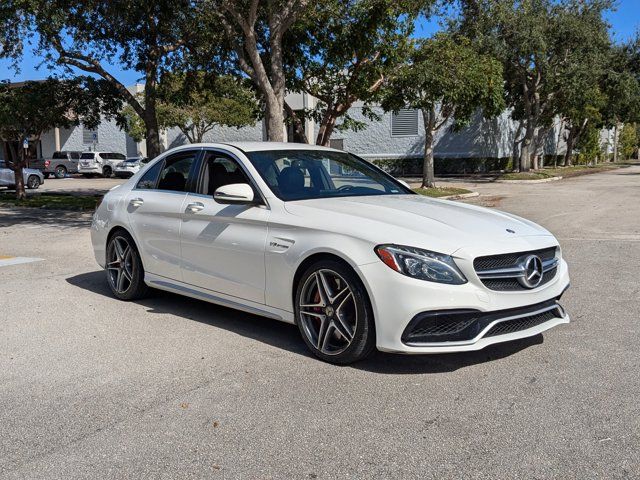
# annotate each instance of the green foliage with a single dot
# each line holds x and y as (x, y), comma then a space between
(547, 48)
(195, 103)
(342, 51)
(32, 108)
(446, 74)
(628, 140)
(589, 145)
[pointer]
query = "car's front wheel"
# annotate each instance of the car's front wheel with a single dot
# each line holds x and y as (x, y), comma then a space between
(33, 182)
(334, 314)
(125, 273)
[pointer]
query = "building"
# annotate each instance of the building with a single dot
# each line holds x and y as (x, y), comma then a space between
(394, 136)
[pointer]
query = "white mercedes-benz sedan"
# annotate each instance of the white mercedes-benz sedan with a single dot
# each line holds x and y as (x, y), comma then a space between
(325, 240)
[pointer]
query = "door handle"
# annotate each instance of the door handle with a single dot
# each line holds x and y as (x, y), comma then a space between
(136, 202)
(195, 207)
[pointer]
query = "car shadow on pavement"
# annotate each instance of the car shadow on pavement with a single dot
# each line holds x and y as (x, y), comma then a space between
(287, 337)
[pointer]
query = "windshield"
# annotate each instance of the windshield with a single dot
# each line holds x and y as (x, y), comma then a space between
(307, 174)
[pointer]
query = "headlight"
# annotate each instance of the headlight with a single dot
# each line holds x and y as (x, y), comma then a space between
(422, 264)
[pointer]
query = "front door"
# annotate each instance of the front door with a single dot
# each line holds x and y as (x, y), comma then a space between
(223, 245)
(154, 207)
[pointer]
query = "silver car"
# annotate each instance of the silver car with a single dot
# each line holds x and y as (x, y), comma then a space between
(32, 178)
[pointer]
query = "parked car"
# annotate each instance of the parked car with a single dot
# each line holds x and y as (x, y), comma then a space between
(32, 178)
(129, 167)
(356, 262)
(60, 164)
(99, 163)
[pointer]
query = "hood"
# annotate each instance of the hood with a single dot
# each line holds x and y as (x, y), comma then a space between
(416, 220)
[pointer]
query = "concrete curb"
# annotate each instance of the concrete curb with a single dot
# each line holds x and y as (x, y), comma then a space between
(540, 180)
(461, 196)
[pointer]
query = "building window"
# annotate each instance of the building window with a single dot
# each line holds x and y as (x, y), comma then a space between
(404, 123)
(89, 136)
(337, 143)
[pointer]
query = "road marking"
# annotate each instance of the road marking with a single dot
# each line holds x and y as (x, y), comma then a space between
(5, 260)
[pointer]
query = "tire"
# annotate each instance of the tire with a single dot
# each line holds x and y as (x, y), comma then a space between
(106, 172)
(61, 171)
(336, 321)
(33, 182)
(125, 273)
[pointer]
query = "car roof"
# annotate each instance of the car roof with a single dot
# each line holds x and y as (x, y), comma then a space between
(264, 146)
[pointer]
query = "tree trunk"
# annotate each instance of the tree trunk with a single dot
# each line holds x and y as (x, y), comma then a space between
(525, 149)
(570, 142)
(428, 175)
(615, 141)
(274, 118)
(516, 142)
(150, 118)
(326, 129)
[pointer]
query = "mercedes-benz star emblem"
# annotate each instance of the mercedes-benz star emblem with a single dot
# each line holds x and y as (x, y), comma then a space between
(532, 272)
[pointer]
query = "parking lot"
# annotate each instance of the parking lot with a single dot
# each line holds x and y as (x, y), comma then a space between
(170, 387)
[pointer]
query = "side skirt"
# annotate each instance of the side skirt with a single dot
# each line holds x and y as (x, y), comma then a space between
(170, 285)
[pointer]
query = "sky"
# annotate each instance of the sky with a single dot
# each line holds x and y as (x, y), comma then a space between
(625, 21)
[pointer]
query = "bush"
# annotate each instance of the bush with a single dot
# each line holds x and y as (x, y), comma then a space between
(444, 166)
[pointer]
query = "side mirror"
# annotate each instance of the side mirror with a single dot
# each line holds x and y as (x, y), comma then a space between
(235, 193)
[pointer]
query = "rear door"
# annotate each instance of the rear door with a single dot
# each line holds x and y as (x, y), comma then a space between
(223, 246)
(154, 207)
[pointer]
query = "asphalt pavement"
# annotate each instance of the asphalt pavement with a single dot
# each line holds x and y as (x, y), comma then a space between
(170, 387)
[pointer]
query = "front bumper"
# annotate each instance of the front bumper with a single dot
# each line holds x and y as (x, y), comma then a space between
(398, 300)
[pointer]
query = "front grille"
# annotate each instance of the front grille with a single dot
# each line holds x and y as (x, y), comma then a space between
(510, 259)
(464, 325)
(484, 265)
(519, 324)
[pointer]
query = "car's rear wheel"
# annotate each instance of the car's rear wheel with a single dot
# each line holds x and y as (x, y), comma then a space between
(125, 273)
(334, 314)
(33, 182)
(106, 172)
(61, 171)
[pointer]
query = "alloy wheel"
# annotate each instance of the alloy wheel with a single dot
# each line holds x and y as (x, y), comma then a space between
(327, 312)
(33, 182)
(120, 264)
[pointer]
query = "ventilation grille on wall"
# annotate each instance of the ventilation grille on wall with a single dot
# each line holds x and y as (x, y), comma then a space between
(337, 143)
(404, 123)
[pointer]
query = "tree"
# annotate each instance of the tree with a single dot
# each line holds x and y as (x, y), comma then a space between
(255, 32)
(13, 30)
(621, 87)
(343, 52)
(538, 42)
(195, 103)
(145, 36)
(29, 109)
(447, 80)
(628, 140)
